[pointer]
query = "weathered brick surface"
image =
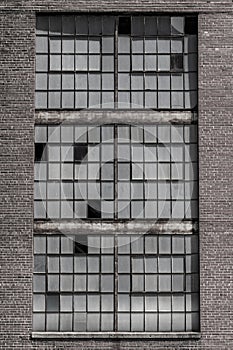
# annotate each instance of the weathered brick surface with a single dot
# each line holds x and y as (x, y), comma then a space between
(17, 34)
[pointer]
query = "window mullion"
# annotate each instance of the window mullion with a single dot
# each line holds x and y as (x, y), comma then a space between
(115, 282)
(116, 64)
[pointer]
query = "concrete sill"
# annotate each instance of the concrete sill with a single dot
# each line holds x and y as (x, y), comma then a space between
(114, 335)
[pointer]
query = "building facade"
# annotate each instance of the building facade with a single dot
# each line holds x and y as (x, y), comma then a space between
(116, 168)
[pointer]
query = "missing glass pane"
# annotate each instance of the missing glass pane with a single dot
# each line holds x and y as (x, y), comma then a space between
(191, 25)
(94, 210)
(177, 63)
(124, 26)
(40, 152)
(80, 152)
(80, 245)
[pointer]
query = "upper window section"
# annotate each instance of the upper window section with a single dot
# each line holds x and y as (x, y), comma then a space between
(116, 62)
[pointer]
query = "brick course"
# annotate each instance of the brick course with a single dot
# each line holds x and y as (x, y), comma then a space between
(17, 56)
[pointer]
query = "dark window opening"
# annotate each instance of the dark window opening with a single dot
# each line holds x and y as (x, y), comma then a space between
(40, 152)
(80, 245)
(191, 25)
(124, 26)
(94, 211)
(177, 62)
(80, 152)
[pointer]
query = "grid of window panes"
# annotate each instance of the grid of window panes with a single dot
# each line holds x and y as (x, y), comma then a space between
(113, 61)
(74, 172)
(156, 288)
(116, 172)
(157, 62)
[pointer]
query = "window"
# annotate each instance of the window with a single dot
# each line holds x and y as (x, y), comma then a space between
(116, 203)
(107, 62)
(114, 172)
(156, 289)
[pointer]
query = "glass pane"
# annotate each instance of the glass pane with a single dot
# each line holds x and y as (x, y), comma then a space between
(80, 283)
(137, 265)
(93, 302)
(137, 283)
(79, 302)
(137, 82)
(163, 45)
(138, 25)
(68, 45)
(164, 265)
(41, 63)
(80, 322)
(41, 81)
(108, 25)
(177, 25)
(164, 245)
(41, 44)
(163, 63)
(165, 322)
(150, 25)
(150, 265)
(81, 62)
(164, 100)
(151, 322)
(123, 44)
(107, 283)
(107, 45)
(66, 302)
(52, 303)
(66, 283)
(81, 45)
(137, 322)
(66, 264)
(150, 45)
(94, 45)
(108, 64)
(137, 62)
(107, 322)
(93, 322)
(42, 25)
(124, 81)
(81, 25)
(39, 263)
(66, 322)
(164, 25)
(124, 63)
(124, 283)
(52, 322)
(164, 82)
(39, 322)
(53, 264)
(94, 62)
(151, 283)
(107, 264)
(39, 245)
(137, 45)
(124, 322)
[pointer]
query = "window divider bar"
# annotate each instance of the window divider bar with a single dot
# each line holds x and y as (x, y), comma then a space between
(116, 63)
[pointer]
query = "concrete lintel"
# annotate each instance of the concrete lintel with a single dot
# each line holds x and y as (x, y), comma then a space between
(128, 117)
(116, 335)
(142, 227)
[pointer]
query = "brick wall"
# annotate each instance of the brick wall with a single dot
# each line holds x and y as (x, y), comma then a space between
(17, 34)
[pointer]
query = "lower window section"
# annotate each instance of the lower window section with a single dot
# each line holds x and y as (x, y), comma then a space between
(124, 283)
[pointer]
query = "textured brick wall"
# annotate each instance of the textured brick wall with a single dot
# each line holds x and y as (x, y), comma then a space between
(17, 24)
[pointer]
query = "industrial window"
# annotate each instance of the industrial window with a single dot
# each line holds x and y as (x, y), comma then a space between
(116, 204)
(120, 283)
(107, 62)
(113, 172)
